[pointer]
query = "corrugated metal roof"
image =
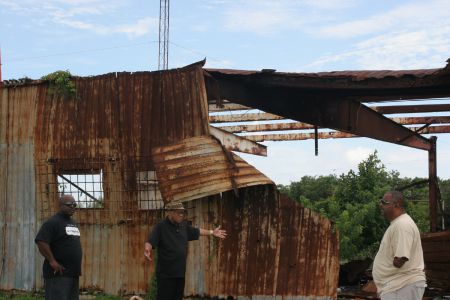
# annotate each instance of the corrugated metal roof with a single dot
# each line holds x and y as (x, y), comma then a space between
(199, 167)
(355, 75)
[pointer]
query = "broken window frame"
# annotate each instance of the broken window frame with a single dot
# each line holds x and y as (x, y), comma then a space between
(91, 201)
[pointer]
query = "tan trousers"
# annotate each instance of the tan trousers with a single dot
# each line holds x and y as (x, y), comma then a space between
(413, 291)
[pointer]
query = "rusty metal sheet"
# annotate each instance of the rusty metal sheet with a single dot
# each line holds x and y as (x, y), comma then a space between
(354, 75)
(199, 167)
(275, 248)
(122, 114)
(237, 143)
(366, 86)
(17, 188)
(436, 252)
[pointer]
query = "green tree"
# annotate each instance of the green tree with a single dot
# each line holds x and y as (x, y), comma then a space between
(351, 202)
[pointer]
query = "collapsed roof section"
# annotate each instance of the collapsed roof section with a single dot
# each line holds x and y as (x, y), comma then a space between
(333, 99)
(199, 167)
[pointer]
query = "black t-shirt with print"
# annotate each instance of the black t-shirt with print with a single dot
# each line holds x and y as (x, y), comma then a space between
(63, 236)
(171, 241)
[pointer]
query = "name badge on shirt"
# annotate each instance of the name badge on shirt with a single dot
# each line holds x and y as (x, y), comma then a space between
(72, 230)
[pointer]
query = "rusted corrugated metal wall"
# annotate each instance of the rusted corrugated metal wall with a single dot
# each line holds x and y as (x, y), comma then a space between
(436, 253)
(274, 247)
(17, 188)
(111, 125)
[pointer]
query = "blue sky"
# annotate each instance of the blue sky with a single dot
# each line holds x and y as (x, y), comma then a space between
(90, 37)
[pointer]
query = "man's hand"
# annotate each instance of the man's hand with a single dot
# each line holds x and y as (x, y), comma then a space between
(399, 261)
(219, 233)
(148, 251)
(57, 268)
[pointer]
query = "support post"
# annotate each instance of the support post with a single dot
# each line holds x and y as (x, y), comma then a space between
(316, 140)
(432, 185)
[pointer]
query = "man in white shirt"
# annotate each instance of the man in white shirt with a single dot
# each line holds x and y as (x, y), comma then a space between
(398, 268)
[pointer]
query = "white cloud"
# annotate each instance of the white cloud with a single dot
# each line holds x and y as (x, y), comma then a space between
(330, 4)
(265, 17)
(77, 13)
(426, 48)
(259, 17)
(413, 16)
(412, 36)
(139, 28)
(356, 155)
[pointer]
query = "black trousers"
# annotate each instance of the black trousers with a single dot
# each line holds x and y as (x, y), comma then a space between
(170, 288)
(62, 288)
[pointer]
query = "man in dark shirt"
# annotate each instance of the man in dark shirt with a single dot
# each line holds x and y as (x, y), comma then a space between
(58, 241)
(170, 237)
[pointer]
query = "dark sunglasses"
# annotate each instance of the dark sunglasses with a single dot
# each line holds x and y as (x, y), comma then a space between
(384, 202)
(180, 212)
(73, 205)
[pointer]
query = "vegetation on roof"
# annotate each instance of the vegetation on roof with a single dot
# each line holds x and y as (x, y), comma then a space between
(61, 83)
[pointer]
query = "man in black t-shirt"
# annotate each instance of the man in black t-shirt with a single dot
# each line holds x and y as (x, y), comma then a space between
(170, 237)
(58, 241)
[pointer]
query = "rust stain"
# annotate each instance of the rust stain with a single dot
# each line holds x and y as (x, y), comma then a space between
(199, 167)
(275, 247)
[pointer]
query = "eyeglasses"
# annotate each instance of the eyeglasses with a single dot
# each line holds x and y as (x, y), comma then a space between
(180, 212)
(384, 202)
(72, 205)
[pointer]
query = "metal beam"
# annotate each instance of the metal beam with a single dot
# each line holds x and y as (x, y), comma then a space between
(237, 143)
(243, 118)
(304, 126)
(331, 134)
(267, 127)
(227, 106)
(366, 86)
(343, 115)
(432, 185)
(390, 109)
(404, 109)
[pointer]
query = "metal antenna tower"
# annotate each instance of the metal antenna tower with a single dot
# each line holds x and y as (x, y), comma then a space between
(163, 55)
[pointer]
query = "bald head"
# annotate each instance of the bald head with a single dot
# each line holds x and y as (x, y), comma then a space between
(67, 204)
(397, 197)
(66, 198)
(392, 205)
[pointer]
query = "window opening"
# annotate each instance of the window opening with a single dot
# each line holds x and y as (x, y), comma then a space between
(85, 186)
(149, 195)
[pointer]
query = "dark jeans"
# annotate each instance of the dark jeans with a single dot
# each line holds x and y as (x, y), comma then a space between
(62, 288)
(170, 288)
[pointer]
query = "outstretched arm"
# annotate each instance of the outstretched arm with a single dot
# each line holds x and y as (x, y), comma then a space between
(44, 249)
(217, 232)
